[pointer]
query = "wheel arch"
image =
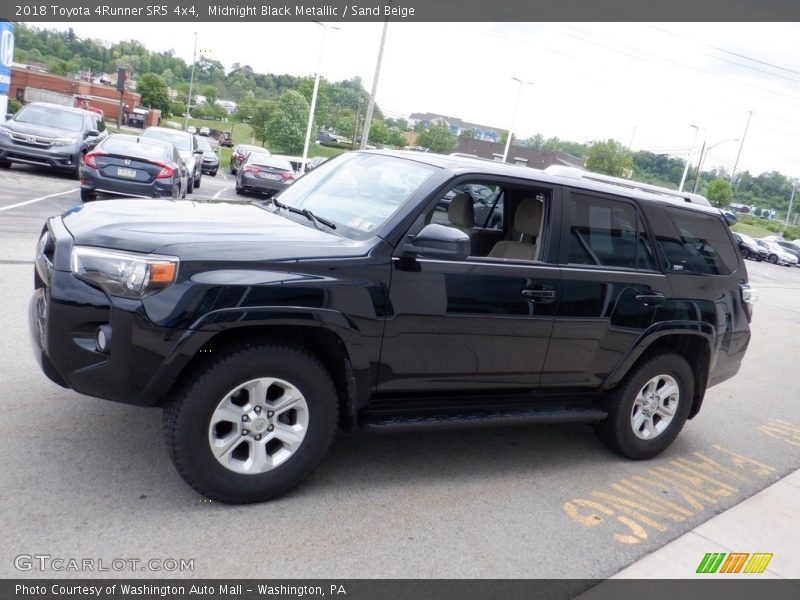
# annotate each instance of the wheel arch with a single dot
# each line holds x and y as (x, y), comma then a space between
(352, 384)
(695, 345)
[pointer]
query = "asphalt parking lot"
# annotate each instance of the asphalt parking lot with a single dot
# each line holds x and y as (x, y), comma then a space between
(84, 478)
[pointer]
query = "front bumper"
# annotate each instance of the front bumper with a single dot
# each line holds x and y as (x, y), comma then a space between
(142, 360)
(57, 157)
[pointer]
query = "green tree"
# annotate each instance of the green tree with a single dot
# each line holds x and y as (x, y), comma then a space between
(536, 141)
(211, 94)
(286, 124)
(378, 132)
(609, 157)
(438, 138)
(154, 92)
(259, 115)
(719, 192)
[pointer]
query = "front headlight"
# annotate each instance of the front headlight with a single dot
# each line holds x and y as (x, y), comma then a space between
(65, 141)
(124, 274)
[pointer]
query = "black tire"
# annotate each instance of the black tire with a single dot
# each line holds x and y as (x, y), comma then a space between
(213, 173)
(617, 431)
(239, 191)
(773, 258)
(233, 170)
(190, 185)
(79, 160)
(745, 253)
(5, 164)
(187, 420)
(88, 195)
(197, 181)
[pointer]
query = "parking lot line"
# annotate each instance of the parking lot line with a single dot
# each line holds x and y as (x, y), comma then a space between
(39, 199)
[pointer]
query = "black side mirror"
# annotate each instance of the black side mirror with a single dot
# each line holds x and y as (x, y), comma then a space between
(198, 151)
(91, 133)
(439, 242)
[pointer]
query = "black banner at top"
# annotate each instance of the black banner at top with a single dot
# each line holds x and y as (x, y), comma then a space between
(188, 11)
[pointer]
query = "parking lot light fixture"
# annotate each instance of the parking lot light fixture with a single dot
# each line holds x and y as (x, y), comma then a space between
(314, 96)
(514, 115)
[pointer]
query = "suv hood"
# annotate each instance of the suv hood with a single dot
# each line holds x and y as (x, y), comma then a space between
(214, 231)
(40, 130)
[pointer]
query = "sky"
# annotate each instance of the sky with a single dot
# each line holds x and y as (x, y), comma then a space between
(643, 84)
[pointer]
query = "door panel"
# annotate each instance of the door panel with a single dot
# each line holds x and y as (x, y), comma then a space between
(467, 325)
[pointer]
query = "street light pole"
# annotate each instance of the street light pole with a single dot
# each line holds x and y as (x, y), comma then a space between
(738, 154)
(314, 96)
(689, 158)
(371, 105)
(514, 116)
(191, 84)
(789, 212)
(703, 154)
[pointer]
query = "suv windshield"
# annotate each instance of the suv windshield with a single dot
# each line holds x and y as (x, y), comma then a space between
(50, 117)
(358, 191)
(180, 141)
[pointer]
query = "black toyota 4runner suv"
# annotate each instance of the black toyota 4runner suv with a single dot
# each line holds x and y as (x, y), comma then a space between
(262, 328)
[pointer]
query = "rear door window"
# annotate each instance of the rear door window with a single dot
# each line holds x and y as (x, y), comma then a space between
(606, 232)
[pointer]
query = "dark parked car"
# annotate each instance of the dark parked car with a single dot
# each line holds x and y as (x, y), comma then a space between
(749, 248)
(210, 164)
(50, 135)
(240, 153)
(132, 166)
(264, 174)
(262, 327)
(187, 145)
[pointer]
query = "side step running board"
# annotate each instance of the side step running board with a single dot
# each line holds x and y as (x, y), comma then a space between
(583, 413)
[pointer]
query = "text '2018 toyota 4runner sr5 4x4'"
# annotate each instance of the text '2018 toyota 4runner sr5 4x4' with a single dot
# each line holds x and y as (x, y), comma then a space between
(350, 300)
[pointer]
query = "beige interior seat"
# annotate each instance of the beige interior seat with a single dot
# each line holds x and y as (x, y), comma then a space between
(461, 212)
(527, 230)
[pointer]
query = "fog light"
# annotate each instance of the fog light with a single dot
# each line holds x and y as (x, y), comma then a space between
(103, 338)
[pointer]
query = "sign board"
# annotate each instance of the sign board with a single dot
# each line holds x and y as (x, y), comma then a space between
(6, 55)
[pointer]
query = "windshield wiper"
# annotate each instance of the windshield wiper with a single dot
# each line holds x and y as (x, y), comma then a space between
(306, 213)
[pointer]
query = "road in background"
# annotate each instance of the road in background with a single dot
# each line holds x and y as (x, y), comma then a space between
(88, 478)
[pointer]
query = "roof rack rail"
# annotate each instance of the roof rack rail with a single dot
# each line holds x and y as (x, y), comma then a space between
(576, 173)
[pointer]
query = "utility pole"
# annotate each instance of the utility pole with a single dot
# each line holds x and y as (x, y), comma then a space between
(738, 154)
(371, 106)
(191, 84)
(689, 158)
(699, 164)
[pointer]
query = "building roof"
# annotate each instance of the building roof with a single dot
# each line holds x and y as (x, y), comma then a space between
(538, 159)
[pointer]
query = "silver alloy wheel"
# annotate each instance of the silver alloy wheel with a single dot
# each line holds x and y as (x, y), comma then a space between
(258, 425)
(654, 407)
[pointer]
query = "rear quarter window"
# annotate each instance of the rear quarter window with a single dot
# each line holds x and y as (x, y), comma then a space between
(699, 243)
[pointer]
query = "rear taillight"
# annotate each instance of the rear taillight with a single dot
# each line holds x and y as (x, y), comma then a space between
(252, 169)
(89, 161)
(288, 176)
(166, 171)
